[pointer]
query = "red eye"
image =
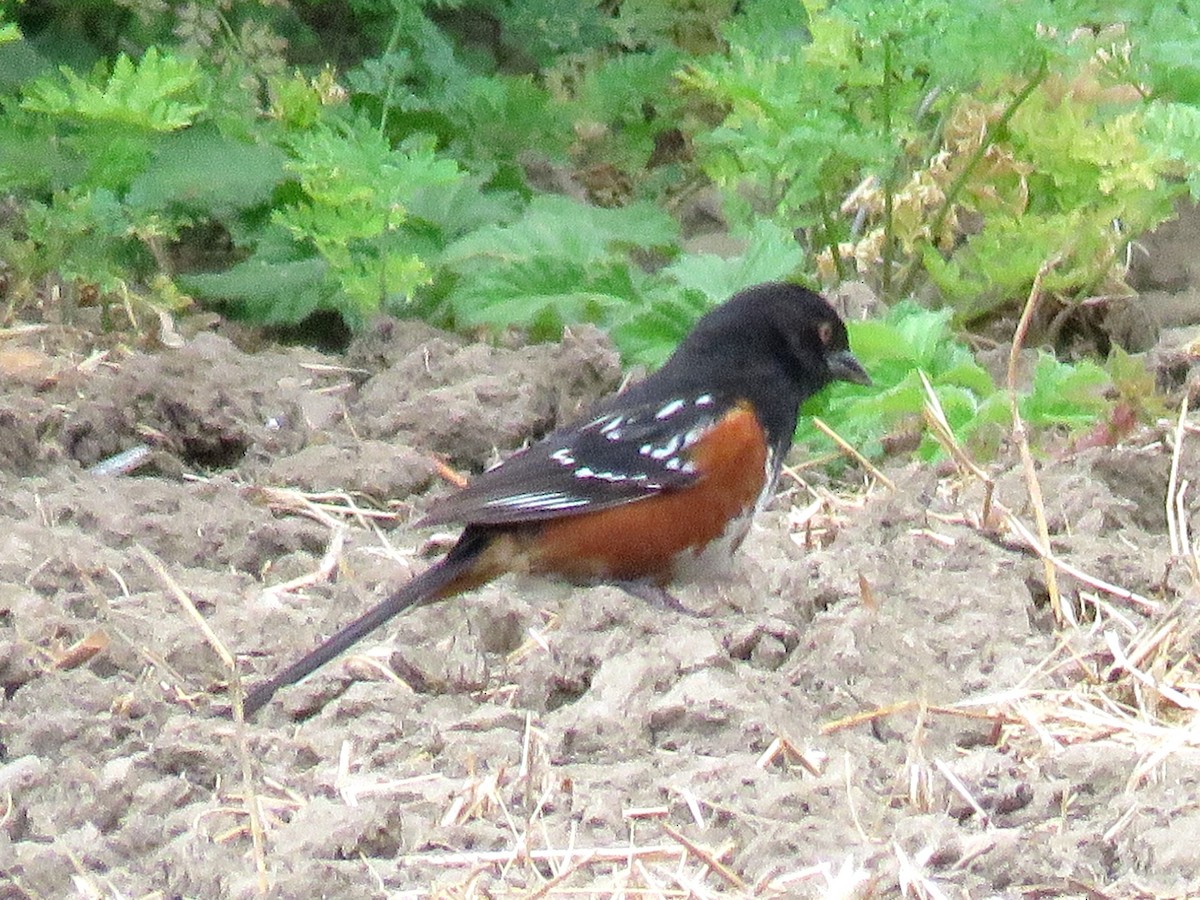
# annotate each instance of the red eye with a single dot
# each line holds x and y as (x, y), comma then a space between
(825, 333)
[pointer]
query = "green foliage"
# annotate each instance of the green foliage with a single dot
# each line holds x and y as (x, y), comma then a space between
(623, 102)
(202, 172)
(893, 349)
(78, 145)
(83, 236)
(155, 94)
(273, 291)
(910, 340)
(772, 254)
(1009, 117)
(382, 155)
(558, 263)
(1071, 396)
(547, 29)
(354, 209)
(1173, 130)
(1082, 172)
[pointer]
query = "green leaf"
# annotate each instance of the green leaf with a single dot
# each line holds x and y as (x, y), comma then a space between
(540, 295)
(86, 236)
(269, 292)
(559, 227)
(772, 254)
(202, 171)
(1070, 395)
(652, 330)
(908, 340)
(460, 207)
(159, 93)
(500, 117)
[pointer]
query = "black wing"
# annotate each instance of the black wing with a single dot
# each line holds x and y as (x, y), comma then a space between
(619, 456)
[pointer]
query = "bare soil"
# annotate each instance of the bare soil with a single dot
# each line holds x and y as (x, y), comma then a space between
(877, 699)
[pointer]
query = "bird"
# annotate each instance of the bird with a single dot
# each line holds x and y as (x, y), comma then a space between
(655, 481)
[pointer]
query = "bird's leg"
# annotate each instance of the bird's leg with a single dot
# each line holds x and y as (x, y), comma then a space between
(656, 595)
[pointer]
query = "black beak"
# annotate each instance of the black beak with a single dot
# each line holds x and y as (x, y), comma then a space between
(844, 366)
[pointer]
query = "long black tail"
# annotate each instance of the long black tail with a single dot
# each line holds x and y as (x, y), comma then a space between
(432, 584)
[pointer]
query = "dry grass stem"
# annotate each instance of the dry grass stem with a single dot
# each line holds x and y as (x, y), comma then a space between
(326, 507)
(646, 812)
(1144, 603)
(1177, 519)
(587, 856)
(82, 650)
(816, 524)
(935, 416)
(913, 879)
(1177, 549)
(866, 594)
(449, 475)
(236, 693)
(1120, 660)
(1021, 437)
(330, 368)
(917, 775)
(369, 663)
(325, 568)
(883, 712)
(848, 881)
(812, 761)
(852, 451)
(962, 791)
(693, 805)
(566, 872)
(710, 858)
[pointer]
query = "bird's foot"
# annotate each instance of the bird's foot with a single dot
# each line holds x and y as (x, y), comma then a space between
(656, 595)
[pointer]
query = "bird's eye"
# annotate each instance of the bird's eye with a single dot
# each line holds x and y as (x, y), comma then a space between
(825, 333)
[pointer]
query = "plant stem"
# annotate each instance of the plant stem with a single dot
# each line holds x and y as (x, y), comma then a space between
(393, 43)
(956, 186)
(889, 179)
(831, 238)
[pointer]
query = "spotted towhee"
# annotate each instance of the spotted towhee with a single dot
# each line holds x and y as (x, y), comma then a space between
(651, 480)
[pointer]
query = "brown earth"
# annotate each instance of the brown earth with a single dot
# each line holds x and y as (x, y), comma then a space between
(533, 736)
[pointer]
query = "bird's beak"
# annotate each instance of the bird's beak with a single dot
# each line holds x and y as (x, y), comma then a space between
(844, 366)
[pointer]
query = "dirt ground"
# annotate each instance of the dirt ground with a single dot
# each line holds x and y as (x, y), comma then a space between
(877, 700)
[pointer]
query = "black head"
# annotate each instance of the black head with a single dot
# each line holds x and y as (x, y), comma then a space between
(783, 328)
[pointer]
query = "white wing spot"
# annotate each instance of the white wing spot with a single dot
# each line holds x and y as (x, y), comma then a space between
(679, 464)
(667, 449)
(613, 423)
(563, 456)
(704, 400)
(669, 410)
(585, 472)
